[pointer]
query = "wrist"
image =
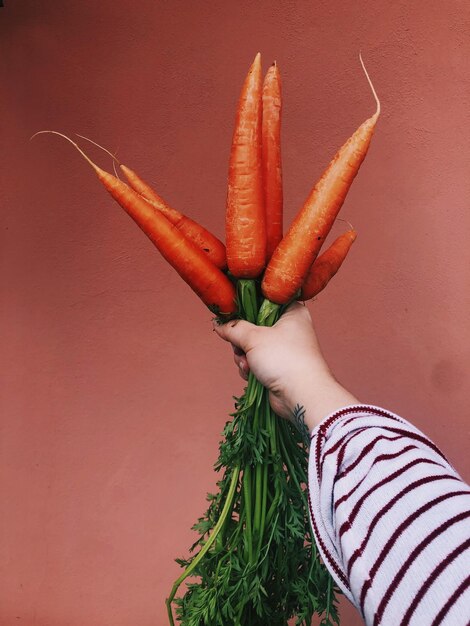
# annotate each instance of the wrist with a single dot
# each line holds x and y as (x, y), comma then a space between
(318, 396)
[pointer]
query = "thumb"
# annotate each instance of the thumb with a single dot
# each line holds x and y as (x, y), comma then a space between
(239, 333)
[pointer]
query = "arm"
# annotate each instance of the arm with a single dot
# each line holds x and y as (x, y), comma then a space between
(390, 516)
(392, 519)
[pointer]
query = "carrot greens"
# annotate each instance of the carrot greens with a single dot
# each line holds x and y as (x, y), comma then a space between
(260, 563)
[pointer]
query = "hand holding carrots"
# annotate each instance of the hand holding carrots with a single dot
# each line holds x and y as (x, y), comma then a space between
(287, 360)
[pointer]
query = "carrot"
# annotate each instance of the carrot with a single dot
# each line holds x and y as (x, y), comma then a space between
(194, 267)
(203, 239)
(326, 265)
(272, 172)
(245, 221)
(295, 254)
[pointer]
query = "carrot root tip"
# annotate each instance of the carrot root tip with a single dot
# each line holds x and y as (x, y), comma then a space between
(377, 112)
(75, 145)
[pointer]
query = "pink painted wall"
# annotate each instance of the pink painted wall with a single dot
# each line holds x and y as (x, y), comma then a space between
(114, 390)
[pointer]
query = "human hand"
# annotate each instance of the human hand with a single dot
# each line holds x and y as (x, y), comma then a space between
(287, 360)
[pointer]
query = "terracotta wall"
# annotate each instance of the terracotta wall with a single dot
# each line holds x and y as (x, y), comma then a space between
(114, 389)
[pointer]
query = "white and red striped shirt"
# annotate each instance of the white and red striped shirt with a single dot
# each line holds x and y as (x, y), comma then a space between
(391, 518)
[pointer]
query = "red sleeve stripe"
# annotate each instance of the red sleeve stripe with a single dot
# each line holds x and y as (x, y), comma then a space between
(431, 578)
(347, 524)
(464, 585)
(406, 565)
(356, 408)
(417, 437)
(342, 452)
(370, 446)
(403, 526)
(381, 457)
(348, 437)
(409, 520)
(358, 417)
(320, 433)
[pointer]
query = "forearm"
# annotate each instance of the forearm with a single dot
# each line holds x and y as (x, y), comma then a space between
(391, 519)
(312, 400)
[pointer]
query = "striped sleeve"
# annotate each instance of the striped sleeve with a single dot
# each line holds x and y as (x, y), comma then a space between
(391, 519)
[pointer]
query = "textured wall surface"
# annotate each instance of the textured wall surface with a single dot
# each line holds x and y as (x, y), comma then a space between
(114, 390)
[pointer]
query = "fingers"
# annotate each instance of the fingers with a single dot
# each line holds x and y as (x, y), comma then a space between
(241, 362)
(237, 351)
(244, 371)
(238, 332)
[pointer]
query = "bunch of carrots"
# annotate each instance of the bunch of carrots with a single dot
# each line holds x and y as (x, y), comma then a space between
(255, 562)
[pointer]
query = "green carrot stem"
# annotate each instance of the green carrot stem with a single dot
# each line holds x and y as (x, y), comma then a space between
(268, 313)
(264, 497)
(328, 601)
(257, 426)
(251, 392)
(290, 467)
(247, 501)
(272, 509)
(258, 497)
(273, 437)
(268, 425)
(247, 300)
(295, 459)
(220, 522)
(227, 519)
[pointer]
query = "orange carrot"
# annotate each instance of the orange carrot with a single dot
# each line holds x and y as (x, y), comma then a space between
(203, 239)
(272, 172)
(326, 265)
(295, 254)
(193, 265)
(245, 220)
